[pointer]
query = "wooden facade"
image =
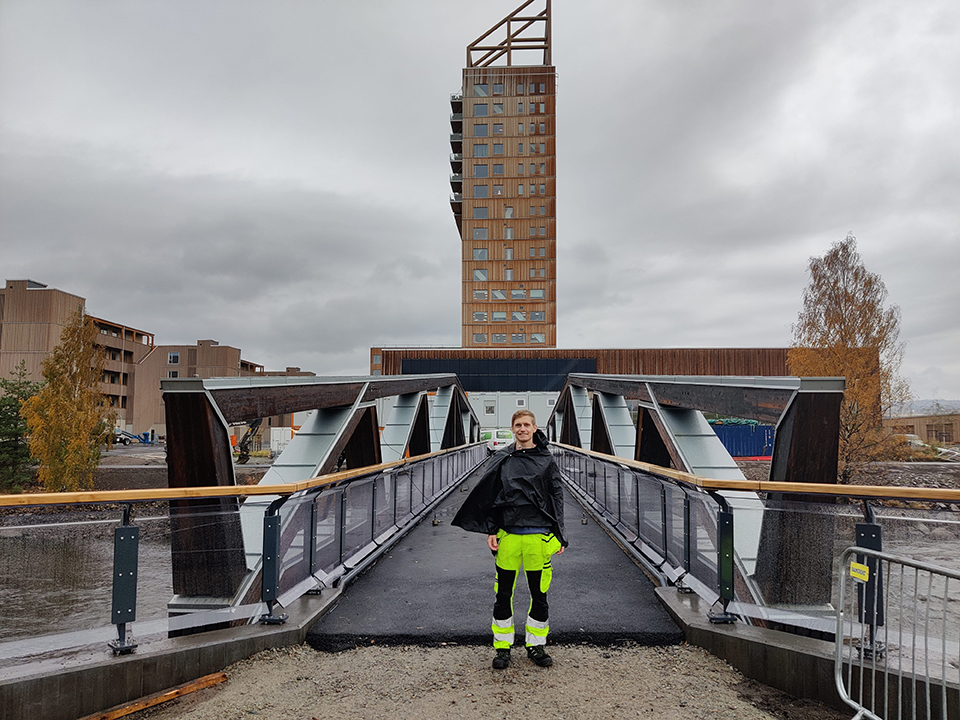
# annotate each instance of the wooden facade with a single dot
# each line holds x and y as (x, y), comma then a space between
(766, 362)
(503, 159)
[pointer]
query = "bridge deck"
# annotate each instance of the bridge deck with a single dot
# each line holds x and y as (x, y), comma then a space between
(436, 585)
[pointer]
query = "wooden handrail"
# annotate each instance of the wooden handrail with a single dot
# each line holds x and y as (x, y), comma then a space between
(208, 491)
(891, 492)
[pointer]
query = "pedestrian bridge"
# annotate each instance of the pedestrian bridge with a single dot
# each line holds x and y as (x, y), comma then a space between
(111, 596)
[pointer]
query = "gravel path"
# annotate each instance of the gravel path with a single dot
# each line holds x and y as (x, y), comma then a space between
(585, 683)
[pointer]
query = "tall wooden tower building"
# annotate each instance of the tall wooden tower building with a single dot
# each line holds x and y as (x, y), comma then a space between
(504, 183)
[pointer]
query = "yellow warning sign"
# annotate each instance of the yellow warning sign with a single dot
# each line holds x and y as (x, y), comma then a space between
(859, 571)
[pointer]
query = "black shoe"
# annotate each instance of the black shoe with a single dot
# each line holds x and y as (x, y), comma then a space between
(502, 659)
(539, 656)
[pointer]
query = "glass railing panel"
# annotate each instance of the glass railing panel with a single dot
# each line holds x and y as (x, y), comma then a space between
(627, 490)
(611, 492)
(651, 523)
(296, 519)
(56, 569)
(593, 468)
(675, 524)
(384, 504)
(418, 499)
(703, 538)
(358, 509)
(796, 555)
(327, 531)
(930, 535)
(402, 485)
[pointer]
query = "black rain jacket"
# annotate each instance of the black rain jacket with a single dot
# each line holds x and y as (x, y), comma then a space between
(531, 476)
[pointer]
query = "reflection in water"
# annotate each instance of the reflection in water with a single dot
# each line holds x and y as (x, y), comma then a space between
(56, 577)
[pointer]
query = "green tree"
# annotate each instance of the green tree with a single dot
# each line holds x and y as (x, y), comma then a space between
(845, 330)
(15, 474)
(68, 419)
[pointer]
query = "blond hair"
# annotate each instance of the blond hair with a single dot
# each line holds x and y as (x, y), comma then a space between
(521, 413)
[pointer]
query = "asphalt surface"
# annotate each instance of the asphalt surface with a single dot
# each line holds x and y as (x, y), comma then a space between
(436, 586)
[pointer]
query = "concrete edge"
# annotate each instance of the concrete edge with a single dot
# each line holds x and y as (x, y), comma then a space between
(66, 694)
(800, 666)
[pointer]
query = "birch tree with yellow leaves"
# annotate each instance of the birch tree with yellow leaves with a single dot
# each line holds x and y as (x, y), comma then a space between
(846, 330)
(68, 419)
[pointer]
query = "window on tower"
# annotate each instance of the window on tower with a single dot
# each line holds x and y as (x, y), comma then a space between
(481, 110)
(481, 130)
(481, 90)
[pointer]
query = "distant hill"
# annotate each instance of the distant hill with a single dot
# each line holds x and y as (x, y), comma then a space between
(927, 407)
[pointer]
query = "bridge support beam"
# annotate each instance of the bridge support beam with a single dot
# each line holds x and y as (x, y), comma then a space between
(216, 543)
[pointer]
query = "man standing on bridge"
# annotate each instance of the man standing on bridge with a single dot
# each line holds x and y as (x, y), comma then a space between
(518, 504)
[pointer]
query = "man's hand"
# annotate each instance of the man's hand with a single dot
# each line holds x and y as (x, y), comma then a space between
(560, 551)
(492, 543)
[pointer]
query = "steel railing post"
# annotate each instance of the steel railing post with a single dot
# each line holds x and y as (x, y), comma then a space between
(870, 593)
(270, 568)
(663, 518)
(126, 545)
(725, 560)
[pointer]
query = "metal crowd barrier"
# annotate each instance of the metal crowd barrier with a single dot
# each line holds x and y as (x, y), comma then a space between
(317, 533)
(897, 637)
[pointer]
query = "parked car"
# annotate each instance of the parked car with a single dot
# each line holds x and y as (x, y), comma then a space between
(497, 439)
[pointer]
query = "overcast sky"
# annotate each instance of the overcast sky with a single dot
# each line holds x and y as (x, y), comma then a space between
(274, 175)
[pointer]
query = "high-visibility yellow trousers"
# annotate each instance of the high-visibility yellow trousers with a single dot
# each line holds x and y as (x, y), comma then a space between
(533, 553)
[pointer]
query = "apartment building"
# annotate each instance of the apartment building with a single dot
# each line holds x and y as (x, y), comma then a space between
(32, 318)
(503, 163)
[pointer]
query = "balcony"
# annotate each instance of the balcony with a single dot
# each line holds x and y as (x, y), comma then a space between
(456, 197)
(456, 157)
(456, 182)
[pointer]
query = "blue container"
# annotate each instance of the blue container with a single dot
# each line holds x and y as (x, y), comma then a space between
(746, 440)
